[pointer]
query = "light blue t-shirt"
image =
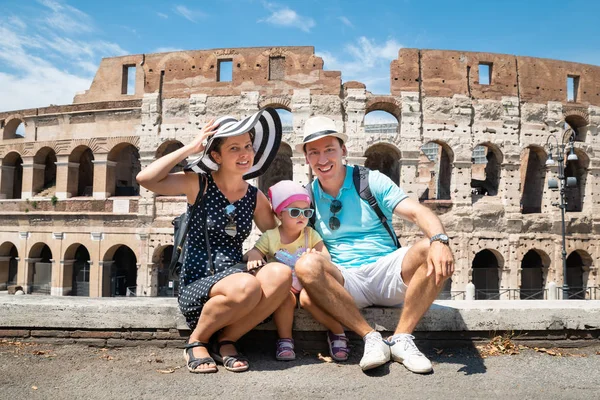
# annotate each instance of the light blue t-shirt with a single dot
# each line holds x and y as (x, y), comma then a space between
(361, 238)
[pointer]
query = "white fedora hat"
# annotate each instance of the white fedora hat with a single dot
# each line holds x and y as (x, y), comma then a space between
(316, 128)
(267, 138)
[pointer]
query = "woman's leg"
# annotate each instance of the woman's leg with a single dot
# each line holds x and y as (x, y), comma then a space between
(284, 317)
(232, 298)
(275, 280)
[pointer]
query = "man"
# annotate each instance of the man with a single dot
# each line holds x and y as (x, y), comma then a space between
(366, 267)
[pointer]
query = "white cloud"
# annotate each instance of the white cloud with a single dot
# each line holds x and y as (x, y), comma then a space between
(346, 21)
(284, 16)
(190, 15)
(165, 49)
(44, 63)
(365, 61)
(66, 18)
(162, 15)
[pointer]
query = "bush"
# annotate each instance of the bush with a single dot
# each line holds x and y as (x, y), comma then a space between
(54, 200)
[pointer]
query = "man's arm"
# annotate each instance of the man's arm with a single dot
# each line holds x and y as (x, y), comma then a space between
(440, 258)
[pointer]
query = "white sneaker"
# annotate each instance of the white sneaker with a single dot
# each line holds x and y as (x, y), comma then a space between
(377, 351)
(406, 352)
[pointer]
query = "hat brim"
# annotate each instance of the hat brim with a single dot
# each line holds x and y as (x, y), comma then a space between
(267, 138)
(320, 135)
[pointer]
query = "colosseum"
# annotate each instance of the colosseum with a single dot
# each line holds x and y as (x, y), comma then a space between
(470, 138)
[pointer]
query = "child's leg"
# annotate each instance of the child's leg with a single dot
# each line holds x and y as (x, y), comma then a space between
(320, 315)
(284, 316)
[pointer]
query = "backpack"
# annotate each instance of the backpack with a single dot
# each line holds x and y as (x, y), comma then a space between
(360, 178)
(181, 227)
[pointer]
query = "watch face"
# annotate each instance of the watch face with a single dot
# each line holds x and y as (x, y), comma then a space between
(444, 237)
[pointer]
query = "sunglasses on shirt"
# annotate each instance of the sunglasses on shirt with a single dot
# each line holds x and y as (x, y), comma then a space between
(334, 208)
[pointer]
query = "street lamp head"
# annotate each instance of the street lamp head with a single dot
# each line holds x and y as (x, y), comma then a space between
(552, 184)
(572, 156)
(549, 161)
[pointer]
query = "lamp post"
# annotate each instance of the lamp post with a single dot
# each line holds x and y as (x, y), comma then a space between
(568, 138)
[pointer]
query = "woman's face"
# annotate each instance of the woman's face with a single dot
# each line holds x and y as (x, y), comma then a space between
(236, 154)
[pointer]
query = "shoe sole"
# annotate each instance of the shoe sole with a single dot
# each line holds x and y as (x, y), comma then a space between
(415, 370)
(374, 364)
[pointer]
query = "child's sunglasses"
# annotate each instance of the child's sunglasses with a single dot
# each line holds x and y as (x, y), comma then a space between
(296, 212)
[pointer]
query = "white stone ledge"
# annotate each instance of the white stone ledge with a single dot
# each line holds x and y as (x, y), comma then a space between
(162, 313)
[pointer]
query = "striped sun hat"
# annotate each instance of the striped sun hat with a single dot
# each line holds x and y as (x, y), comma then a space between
(267, 138)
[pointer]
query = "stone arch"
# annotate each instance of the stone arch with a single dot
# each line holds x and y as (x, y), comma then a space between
(385, 158)
(578, 269)
(577, 120)
(169, 57)
(40, 268)
(486, 268)
(435, 170)
(44, 171)
(534, 271)
(76, 270)
(282, 101)
(14, 128)
(282, 168)
(382, 103)
(168, 147)
(533, 178)
(167, 284)
(80, 181)
(125, 158)
(9, 264)
(121, 261)
(486, 169)
(575, 195)
(11, 180)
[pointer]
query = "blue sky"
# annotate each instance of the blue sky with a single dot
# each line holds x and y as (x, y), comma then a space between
(50, 49)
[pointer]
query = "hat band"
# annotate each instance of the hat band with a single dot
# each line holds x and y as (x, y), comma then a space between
(315, 135)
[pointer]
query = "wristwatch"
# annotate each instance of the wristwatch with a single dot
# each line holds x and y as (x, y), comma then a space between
(440, 237)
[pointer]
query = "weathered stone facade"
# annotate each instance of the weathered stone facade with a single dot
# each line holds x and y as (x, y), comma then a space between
(74, 221)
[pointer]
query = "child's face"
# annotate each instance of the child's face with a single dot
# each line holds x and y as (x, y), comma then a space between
(294, 223)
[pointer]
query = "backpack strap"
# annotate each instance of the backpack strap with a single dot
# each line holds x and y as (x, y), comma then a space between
(360, 177)
(312, 220)
(202, 183)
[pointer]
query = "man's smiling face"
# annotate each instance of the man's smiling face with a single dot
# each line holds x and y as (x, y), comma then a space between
(325, 157)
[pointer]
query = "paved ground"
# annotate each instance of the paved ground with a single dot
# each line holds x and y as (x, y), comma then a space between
(44, 371)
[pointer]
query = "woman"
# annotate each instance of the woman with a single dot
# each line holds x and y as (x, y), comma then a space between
(216, 296)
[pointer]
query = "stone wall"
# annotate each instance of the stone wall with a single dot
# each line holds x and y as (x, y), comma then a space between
(436, 97)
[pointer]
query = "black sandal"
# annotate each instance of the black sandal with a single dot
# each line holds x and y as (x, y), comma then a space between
(193, 362)
(229, 361)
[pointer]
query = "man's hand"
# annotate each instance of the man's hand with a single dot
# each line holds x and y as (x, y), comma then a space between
(440, 260)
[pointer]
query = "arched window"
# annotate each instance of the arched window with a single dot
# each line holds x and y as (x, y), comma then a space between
(77, 270)
(578, 267)
(280, 169)
(167, 283)
(167, 148)
(287, 122)
(435, 169)
(128, 166)
(12, 176)
(486, 275)
(574, 195)
(533, 178)
(123, 271)
(44, 180)
(485, 172)
(384, 158)
(81, 178)
(533, 267)
(8, 265)
(40, 264)
(14, 129)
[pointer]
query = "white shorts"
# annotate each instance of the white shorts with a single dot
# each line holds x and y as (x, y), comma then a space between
(379, 283)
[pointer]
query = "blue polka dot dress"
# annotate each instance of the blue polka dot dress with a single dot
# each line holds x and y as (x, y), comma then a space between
(226, 250)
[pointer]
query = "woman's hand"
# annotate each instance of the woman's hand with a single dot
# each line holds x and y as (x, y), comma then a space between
(199, 143)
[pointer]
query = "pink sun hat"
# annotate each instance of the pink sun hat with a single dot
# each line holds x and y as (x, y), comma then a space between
(284, 193)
